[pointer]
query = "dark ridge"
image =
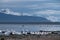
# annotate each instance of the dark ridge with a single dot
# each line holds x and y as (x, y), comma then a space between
(30, 23)
(13, 18)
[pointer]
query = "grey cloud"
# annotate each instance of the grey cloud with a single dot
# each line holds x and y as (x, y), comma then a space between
(19, 0)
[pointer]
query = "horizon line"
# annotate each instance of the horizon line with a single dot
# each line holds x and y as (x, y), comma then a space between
(29, 22)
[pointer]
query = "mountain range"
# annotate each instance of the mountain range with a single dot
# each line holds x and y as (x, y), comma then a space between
(13, 18)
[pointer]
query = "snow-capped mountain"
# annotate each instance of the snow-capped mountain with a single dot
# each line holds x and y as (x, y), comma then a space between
(7, 16)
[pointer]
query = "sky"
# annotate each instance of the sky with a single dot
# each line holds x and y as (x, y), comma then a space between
(49, 9)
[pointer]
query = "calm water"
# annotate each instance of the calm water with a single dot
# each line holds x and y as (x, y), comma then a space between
(20, 27)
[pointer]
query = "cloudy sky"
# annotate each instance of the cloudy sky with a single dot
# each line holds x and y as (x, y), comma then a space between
(49, 9)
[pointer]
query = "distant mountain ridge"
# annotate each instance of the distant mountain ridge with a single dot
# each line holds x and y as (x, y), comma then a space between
(13, 18)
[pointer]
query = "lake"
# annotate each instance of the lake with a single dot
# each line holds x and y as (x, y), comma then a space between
(29, 27)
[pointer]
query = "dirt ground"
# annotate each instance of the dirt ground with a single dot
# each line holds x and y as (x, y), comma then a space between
(31, 37)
